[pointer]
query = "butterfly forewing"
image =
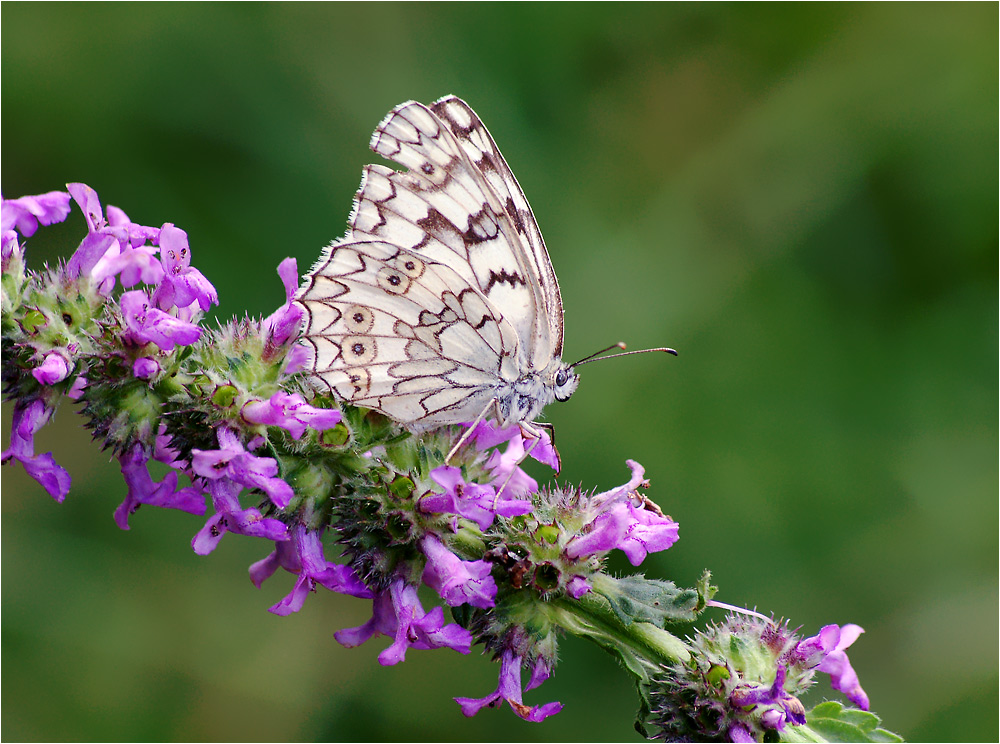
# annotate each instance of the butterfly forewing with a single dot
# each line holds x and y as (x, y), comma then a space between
(479, 146)
(459, 199)
(441, 301)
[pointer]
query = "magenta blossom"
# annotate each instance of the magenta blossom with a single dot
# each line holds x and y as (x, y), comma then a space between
(509, 691)
(55, 368)
(634, 529)
(302, 554)
(284, 322)
(399, 615)
(142, 489)
(113, 246)
(291, 412)
(28, 212)
(829, 646)
(147, 324)
(28, 419)
(233, 463)
(182, 284)
(457, 581)
(472, 501)
(230, 516)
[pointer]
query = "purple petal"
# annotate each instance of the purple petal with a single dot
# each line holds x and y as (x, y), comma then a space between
(27, 420)
(50, 476)
(297, 359)
(577, 587)
(208, 537)
(86, 198)
(264, 569)
(145, 368)
(91, 250)
(603, 535)
(288, 272)
(343, 580)
(397, 613)
(26, 213)
(175, 253)
(647, 533)
(838, 666)
(739, 734)
(55, 368)
(509, 690)
(456, 581)
(133, 265)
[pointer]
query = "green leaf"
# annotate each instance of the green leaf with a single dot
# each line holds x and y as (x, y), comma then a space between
(835, 723)
(636, 598)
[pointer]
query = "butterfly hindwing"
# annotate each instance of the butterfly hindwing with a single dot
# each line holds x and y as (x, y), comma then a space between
(393, 331)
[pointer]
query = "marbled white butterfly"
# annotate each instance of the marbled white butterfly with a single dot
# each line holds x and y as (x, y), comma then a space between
(439, 306)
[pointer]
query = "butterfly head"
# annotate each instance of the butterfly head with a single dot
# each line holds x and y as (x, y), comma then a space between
(565, 381)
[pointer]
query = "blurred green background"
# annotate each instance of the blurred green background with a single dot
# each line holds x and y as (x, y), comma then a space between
(802, 199)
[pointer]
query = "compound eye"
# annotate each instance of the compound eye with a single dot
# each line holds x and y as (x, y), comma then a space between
(561, 377)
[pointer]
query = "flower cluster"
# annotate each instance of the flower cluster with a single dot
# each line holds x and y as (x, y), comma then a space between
(117, 330)
(744, 678)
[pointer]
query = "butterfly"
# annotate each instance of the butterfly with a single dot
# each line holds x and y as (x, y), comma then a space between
(440, 305)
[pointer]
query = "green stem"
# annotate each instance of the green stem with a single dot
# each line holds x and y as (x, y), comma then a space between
(642, 647)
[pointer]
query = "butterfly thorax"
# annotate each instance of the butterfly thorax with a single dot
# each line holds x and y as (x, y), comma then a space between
(524, 398)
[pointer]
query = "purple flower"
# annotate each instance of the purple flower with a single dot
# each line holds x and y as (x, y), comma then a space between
(113, 246)
(830, 644)
(128, 233)
(302, 554)
(399, 615)
(788, 709)
(233, 463)
(635, 530)
(86, 198)
(740, 734)
(505, 470)
(142, 489)
(297, 359)
(8, 245)
(147, 324)
(28, 212)
(75, 391)
(290, 411)
(577, 587)
(509, 691)
(230, 516)
(284, 322)
(457, 581)
(90, 251)
(506, 473)
(145, 368)
(182, 284)
(28, 419)
(164, 452)
(55, 368)
(131, 265)
(473, 501)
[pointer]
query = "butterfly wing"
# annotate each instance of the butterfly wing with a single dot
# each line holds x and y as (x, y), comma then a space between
(407, 336)
(460, 205)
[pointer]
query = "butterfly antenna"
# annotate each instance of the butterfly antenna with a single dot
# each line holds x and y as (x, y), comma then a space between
(620, 345)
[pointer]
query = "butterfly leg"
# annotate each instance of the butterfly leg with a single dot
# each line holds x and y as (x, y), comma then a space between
(468, 432)
(528, 431)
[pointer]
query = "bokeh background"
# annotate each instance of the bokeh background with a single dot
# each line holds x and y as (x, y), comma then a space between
(802, 199)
